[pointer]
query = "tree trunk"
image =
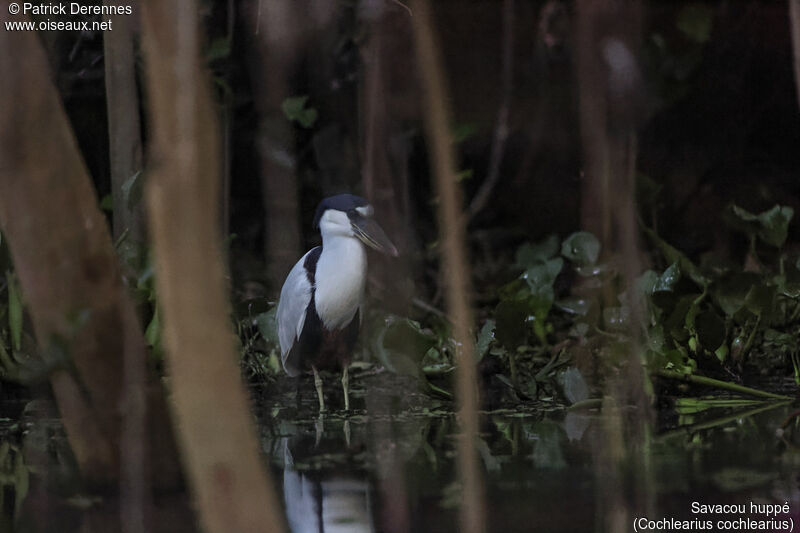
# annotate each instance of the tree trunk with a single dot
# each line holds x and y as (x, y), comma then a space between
(62, 251)
(213, 419)
(386, 147)
(275, 40)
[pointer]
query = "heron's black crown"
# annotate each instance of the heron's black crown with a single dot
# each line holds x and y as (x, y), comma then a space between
(340, 202)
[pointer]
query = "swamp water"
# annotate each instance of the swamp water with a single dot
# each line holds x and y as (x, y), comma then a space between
(390, 466)
(394, 470)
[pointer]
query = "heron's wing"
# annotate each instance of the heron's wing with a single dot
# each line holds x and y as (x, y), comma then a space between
(295, 296)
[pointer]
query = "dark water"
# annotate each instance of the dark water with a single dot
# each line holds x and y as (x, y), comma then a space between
(393, 469)
(390, 466)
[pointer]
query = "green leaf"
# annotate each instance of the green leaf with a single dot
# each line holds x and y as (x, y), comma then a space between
(695, 21)
(582, 248)
(574, 305)
(543, 275)
(107, 203)
(485, 338)
(267, 325)
(760, 300)
(14, 311)
(294, 108)
(153, 332)
(673, 255)
(730, 291)
(775, 225)
(511, 316)
(710, 330)
(771, 226)
(530, 254)
(408, 336)
(402, 344)
(669, 279)
(683, 313)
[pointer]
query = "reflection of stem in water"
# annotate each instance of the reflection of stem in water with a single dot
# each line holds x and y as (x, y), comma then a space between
(512, 367)
(692, 428)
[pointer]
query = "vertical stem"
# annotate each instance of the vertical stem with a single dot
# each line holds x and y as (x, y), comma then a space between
(124, 129)
(481, 198)
(794, 23)
(220, 448)
(454, 259)
(124, 132)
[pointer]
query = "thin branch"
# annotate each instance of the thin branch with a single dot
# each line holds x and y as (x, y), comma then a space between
(454, 260)
(481, 198)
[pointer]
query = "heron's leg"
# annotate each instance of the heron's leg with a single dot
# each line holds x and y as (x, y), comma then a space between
(318, 385)
(346, 388)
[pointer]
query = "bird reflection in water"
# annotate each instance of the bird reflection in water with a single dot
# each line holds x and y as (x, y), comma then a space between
(320, 503)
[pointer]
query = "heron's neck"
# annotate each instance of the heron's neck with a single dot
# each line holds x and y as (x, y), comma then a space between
(340, 279)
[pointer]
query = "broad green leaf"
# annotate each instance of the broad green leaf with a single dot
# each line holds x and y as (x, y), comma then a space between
(540, 279)
(529, 254)
(775, 225)
(485, 338)
(771, 226)
(676, 323)
(543, 274)
(401, 346)
(582, 248)
(574, 305)
(710, 330)
(673, 255)
(760, 300)
(730, 291)
(669, 279)
(407, 336)
(268, 326)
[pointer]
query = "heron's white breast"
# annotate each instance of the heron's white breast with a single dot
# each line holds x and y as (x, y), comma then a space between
(340, 279)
